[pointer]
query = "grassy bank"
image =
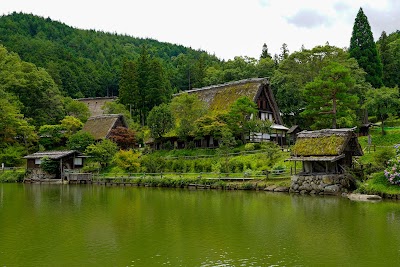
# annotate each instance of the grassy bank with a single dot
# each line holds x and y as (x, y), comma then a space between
(374, 161)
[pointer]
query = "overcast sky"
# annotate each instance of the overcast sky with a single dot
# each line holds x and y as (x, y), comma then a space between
(226, 28)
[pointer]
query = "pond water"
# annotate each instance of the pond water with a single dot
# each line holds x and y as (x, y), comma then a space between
(92, 225)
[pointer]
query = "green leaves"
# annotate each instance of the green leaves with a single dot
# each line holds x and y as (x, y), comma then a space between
(329, 98)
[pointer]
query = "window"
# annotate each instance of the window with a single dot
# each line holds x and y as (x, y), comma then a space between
(78, 161)
(38, 161)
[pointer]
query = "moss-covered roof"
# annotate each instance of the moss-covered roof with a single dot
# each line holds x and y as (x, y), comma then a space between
(100, 126)
(327, 142)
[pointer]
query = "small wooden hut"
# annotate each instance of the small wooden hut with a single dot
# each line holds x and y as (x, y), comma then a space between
(68, 162)
(100, 126)
(292, 134)
(327, 151)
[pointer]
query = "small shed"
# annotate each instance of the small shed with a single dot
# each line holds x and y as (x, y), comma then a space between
(326, 151)
(100, 126)
(292, 133)
(68, 161)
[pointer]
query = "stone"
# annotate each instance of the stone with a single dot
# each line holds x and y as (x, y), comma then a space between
(281, 189)
(327, 180)
(295, 187)
(270, 188)
(332, 189)
(362, 197)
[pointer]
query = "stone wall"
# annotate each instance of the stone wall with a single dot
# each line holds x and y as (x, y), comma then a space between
(321, 184)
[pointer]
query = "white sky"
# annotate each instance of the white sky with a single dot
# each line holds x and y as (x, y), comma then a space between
(226, 28)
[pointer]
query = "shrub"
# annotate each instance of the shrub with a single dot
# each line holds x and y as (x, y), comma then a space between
(127, 160)
(48, 165)
(392, 172)
(383, 156)
(152, 164)
(249, 147)
(12, 155)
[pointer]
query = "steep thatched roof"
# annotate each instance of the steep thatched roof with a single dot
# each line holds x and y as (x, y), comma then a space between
(100, 126)
(96, 104)
(332, 143)
(52, 154)
(220, 97)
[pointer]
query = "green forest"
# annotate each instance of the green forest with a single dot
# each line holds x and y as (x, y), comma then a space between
(46, 64)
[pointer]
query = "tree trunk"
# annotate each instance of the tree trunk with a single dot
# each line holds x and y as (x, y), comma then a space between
(334, 112)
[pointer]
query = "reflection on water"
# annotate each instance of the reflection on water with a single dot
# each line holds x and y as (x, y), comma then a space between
(92, 225)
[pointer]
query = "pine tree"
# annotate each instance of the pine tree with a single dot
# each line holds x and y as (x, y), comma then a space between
(264, 52)
(363, 49)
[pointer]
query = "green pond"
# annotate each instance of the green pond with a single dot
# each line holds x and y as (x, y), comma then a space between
(93, 225)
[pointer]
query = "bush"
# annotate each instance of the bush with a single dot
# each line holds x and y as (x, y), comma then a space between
(11, 156)
(152, 164)
(48, 165)
(127, 160)
(249, 147)
(383, 156)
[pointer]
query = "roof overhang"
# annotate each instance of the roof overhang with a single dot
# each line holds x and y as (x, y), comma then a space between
(279, 127)
(317, 158)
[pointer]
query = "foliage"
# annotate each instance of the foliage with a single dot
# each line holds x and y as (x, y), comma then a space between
(80, 141)
(389, 51)
(85, 63)
(14, 128)
(123, 137)
(102, 152)
(160, 120)
(11, 156)
(392, 171)
(48, 165)
(151, 164)
(33, 87)
(71, 125)
(330, 103)
(302, 67)
(51, 136)
(186, 109)
(143, 84)
(12, 176)
(239, 114)
(363, 49)
(76, 109)
(382, 102)
(127, 160)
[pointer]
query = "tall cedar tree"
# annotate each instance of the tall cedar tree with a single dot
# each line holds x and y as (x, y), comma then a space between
(363, 49)
(143, 85)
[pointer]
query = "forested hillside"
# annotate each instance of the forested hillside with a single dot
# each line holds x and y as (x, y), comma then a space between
(85, 62)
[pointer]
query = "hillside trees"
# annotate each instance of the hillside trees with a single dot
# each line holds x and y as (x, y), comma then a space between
(363, 49)
(389, 51)
(143, 85)
(330, 103)
(304, 66)
(383, 102)
(35, 89)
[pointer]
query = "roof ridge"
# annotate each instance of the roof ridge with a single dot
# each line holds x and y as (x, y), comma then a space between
(244, 81)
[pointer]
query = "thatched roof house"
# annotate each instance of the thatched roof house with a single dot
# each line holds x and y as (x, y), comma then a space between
(100, 126)
(220, 97)
(328, 150)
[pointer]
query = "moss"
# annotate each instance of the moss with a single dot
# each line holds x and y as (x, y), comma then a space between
(221, 98)
(319, 146)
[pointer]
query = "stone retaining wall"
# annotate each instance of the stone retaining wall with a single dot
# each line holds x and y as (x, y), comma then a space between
(323, 184)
